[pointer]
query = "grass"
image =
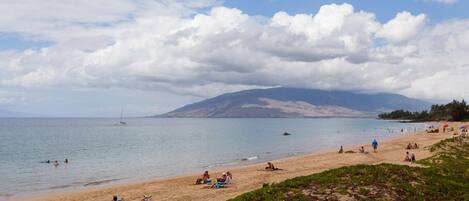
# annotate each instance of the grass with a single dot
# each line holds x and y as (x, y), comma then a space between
(444, 177)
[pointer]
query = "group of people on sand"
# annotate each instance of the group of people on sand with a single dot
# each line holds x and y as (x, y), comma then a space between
(412, 146)
(145, 198)
(374, 144)
(409, 157)
(221, 181)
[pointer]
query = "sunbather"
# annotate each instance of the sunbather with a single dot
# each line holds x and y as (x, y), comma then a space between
(361, 150)
(409, 146)
(115, 198)
(407, 157)
(205, 179)
(222, 181)
(270, 166)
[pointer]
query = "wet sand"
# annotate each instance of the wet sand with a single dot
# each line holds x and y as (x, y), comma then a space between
(250, 177)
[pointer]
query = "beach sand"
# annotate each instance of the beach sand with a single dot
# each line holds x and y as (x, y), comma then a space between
(250, 177)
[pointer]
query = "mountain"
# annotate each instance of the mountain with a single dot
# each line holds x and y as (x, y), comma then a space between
(296, 102)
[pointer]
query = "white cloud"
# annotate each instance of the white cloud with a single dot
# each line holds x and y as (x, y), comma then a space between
(444, 1)
(168, 46)
(402, 28)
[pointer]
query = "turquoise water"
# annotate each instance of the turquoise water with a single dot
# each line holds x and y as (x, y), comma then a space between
(101, 153)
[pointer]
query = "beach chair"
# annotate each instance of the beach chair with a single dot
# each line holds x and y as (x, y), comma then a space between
(224, 184)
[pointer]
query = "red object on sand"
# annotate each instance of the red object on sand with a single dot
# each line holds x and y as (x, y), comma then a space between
(445, 125)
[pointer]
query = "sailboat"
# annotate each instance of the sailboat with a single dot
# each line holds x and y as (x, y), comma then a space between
(121, 120)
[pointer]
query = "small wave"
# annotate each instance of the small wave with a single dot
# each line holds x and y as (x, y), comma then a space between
(250, 158)
(95, 183)
(61, 186)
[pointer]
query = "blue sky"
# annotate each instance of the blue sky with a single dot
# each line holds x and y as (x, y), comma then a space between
(57, 58)
(384, 9)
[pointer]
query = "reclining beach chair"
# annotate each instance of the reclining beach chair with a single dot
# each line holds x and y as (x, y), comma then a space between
(224, 184)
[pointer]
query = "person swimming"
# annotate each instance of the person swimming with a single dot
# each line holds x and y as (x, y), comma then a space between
(56, 163)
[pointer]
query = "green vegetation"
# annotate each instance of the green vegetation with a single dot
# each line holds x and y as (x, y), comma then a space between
(454, 111)
(444, 177)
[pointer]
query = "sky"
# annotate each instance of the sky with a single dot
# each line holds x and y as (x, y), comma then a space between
(90, 58)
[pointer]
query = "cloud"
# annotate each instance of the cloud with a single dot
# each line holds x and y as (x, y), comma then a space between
(444, 1)
(402, 28)
(173, 47)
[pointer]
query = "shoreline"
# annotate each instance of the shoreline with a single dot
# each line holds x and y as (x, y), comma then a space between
(247, 177)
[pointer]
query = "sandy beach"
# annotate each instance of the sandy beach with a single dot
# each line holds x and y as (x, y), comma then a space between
(250, 177)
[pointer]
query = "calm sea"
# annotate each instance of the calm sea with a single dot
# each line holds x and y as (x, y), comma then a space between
(100, 152)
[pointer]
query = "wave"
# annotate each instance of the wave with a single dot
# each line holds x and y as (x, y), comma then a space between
(250, 158)
(95, 183)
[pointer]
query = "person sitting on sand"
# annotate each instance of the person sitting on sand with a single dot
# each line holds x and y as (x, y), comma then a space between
(407, 157)
(270, 166)
(412, 157)
(416, 146)
(115, 198)
(341, 150)
(409, 146)
(361, 150)
(224, 179)
(205, 178)
(229, 175)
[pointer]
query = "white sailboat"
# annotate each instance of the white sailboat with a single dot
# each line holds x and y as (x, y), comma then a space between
(121, 120)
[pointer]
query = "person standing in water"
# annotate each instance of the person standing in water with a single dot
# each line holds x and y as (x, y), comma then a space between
(374, 144)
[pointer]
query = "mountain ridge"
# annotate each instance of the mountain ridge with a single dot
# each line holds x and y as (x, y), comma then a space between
(296, 102)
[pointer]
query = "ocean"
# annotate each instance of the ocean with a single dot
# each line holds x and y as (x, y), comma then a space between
(101, 153)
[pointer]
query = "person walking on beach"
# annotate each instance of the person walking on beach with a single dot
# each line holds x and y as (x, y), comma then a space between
(374, 144)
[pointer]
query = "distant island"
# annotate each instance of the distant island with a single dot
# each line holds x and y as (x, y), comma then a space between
(286, 102)
(453, 111)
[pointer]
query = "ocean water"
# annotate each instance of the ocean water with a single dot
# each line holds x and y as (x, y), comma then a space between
(101, 153)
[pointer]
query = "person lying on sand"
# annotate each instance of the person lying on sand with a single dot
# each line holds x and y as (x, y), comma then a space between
(349, 152)
(270, 166)
(205, 179)
(341, 150)
(147, 198)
